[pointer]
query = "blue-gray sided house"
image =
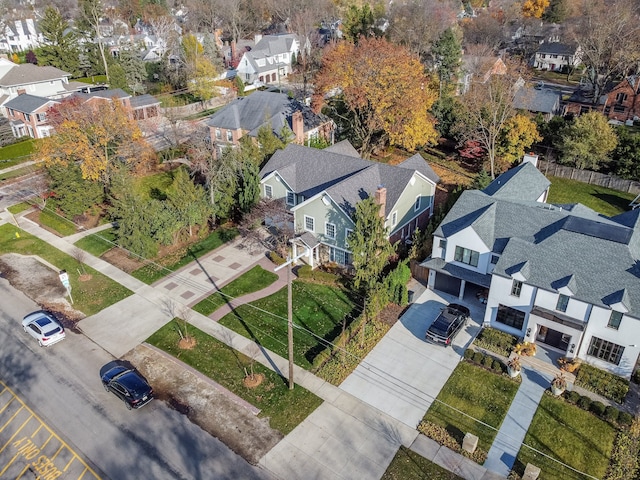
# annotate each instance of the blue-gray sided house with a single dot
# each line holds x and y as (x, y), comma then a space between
(322, 187)
(559, 275)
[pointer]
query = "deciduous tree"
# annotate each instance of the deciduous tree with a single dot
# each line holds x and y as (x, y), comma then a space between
(200, 70)
(88, 22)
(384, 91)
(588, 141)
(626, 156)
(518, 134)
(534, 8)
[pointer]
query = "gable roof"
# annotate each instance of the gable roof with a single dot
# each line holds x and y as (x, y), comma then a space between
(524, 182)
(26, 103)
(103, 94)
(343, 147)
(145, 100)
(557, 48)
(537, 100)
(27, 73)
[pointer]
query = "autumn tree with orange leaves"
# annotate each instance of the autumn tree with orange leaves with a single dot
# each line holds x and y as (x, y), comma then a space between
(383, 95)
(98, 135)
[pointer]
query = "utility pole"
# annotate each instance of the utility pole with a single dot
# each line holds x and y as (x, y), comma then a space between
(290, 311)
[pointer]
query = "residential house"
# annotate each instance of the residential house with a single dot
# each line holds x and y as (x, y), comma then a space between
(270, 60)
(620, 102)
(27, 115)
(561, 276)
(538, 100)
(48, 82)
(556, 56)
(142, 107)
(20, 36)
(246, 115)
(479, 69)
(322, 187)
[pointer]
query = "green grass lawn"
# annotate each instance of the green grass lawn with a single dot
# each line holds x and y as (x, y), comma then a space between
(318, 308)
(57, 222)
(569, 434)
(603, 200)
(98, 243)
(152, 273)
(479, 393)
(16, 153)
(154, 186)
(408, 465)
(255, 279)
(19, 207)
(285, 408)
(89, 296)
(19, 172)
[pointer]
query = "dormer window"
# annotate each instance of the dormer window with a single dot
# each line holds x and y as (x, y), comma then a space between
(516, 288)
(291, 198)
(614, 320)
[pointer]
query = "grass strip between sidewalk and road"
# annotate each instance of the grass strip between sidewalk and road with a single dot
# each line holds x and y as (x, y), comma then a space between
(479, 393)
(408, 465)
(285, 408)
(252, 281)
(317, 308)
(570, 434)
(89, 296)
(97, 244)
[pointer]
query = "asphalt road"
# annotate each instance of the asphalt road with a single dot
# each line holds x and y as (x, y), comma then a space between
(61, 384)
(17, 191)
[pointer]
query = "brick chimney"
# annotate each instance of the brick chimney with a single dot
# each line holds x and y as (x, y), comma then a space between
(381, 199)
(297, 125)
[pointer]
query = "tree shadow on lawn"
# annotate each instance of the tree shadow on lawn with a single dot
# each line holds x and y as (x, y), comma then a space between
(613, 200)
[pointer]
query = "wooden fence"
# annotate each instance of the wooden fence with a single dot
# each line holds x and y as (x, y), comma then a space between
(587, 176)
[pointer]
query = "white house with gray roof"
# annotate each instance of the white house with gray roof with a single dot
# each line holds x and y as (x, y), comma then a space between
(559, 275)
(322, 187)
(270, 59)
(20, 36)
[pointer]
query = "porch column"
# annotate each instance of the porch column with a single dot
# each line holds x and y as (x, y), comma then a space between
(311, 254)
(463, 283)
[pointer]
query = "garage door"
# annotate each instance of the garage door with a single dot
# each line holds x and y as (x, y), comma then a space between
(447, 284)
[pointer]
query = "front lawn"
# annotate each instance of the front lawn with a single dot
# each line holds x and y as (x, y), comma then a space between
(569, 434)
(89, 296)
(255, 279)
(16, 153)
(318, 314)
(56, 222)
(603, 200)
(155, 185)
(98, 243)
(408, 465)
(153, 272)
(480, 394)
(285, 408)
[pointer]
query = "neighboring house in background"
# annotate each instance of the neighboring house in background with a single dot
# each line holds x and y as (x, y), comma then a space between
(20, 36)
(270, 59)
(322, 187)
(48, 82)
(142, 107)
(27, 115)
(479, 69)
(246, 115)
(556, 56)
(561, 276)
(619, 102)
(538, 100)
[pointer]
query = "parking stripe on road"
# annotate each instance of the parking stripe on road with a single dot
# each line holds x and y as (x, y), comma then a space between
(28, 444)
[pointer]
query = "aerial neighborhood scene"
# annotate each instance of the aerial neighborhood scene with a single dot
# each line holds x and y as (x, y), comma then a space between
(320, 239)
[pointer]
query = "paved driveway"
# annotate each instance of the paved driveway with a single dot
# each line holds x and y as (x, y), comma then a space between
(403, 374)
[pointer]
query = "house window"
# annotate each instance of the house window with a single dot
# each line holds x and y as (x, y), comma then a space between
(416, 206)
(11, 112)
(291, 198)
(347, 234)
(27, 117)
(614, 320)
(464, 255)
(229, 136)
(563, 301)
(607, 351)
(394, 218)
(442, 243)
(268, 191)
(340, 256)
(218, 134)
(330, 230)
(309, 223)
(621, 97)
(516, 288)
(510, 317)
(494, 259)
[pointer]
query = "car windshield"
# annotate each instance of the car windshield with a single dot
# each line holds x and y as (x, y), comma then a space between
(52, 332)
(134, 384)
(440, 326)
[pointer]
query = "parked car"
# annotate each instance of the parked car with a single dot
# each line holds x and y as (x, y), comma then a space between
(44, 327)
(451, 320)
(128, 385)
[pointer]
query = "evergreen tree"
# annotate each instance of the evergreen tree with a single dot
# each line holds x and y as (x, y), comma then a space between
(447, 55)
(134, 70)
(73, 194)
(189, 202)
(60, 46)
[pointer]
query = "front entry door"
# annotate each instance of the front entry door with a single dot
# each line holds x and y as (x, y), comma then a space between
(553, 338)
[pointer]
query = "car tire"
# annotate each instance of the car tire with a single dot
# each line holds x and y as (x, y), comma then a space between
(106, 387)
(128, 405)
(40, 343)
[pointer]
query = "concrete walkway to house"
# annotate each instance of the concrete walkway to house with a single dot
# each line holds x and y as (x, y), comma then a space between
(506, 445)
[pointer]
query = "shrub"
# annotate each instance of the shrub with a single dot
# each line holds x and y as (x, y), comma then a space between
(597, 408)
(477, 357)
(572, 397)
(603, 383)
(496, 341)
(624, 457)
(277, 259)
(487, 361)
(317, 275)
(611, 413)
(497, 366)
(584, 402)
(625, 418)
(635, 378)
(526, 349)
(468, 354)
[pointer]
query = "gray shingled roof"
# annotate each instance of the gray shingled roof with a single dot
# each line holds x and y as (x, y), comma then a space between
(26, 103)
(108, 94)
(343, 147)
(595, 256)
(26, 73)
(524, 182)
(557, 48)
(416, 162)
(534, 100)
(143, 101)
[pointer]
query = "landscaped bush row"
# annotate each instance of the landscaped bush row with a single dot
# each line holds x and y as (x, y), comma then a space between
(624, 457)
(443, 437)
(608, 413)
(317, 275)
(486, 361)
(603, 383)
(496, 341)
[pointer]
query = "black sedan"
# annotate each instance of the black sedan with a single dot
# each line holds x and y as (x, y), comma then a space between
(127, 384)
(451, 320)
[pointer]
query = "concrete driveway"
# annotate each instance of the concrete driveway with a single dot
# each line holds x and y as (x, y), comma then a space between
(403, 374)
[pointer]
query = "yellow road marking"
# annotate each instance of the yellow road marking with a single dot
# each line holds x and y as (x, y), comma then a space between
(17, 431)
